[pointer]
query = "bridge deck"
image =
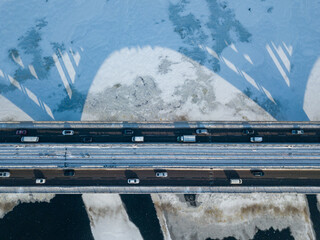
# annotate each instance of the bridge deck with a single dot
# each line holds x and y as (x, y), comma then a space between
(160, 155)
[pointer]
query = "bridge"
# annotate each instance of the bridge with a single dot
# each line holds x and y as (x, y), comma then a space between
(288, 157)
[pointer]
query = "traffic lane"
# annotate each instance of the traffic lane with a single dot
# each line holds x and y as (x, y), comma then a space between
(119, 173)
(218, 134)
(172, 173)
(174, 131)
(282, 173)
(109, 173)
(161, 139)
(161, 182)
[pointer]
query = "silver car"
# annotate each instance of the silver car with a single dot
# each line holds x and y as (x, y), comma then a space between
(133, 181)
(40, 181)
(67, 132)
(161, 174)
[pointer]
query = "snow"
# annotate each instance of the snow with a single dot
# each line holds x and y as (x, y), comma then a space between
(133, 87)
(239, 215)
(108, 217)
(59, 60)
(310, 105)
(9, 201)
(10, 112)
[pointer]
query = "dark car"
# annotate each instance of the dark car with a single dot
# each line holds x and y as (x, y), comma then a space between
(248, 131)
(202, 131)
(69, 173)
(21, 132)
(128, 132)
(87, 139)
(257, 173)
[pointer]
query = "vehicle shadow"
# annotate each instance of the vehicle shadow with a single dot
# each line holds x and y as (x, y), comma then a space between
(130, 174)
(38, 173)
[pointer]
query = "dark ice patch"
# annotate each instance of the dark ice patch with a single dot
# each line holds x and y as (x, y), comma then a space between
(73, 104)
(29, 44)
(270, 9)
(221, 24)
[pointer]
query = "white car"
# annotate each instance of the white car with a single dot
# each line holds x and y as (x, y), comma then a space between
(4, 174)
(133, 181)
(40, 181)
(187, 138)
(67, 132)
(137, 139)
(235, 181)
(29, 139)
(161, 174)
(256, 139)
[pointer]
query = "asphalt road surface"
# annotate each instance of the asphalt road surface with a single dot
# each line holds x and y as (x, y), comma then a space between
(147, 177)
(164, 135)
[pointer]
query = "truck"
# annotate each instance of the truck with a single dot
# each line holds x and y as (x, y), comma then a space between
(187, 138)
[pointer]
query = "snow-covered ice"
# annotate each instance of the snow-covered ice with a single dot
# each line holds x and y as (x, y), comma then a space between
(173, 87)
(217, 216)
(108, 217)
(160, 60)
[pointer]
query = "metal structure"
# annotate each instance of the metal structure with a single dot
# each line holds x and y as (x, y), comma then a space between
(226, 156)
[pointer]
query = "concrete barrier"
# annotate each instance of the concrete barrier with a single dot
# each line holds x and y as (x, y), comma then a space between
(202, 124)
(149, 190)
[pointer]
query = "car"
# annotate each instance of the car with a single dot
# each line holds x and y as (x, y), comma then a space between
(202, 131)
(128, 132)
(137, 139)
(69, 173)
(133, 181)
(256, 139)
(235, 181)
(87, 139)
(5, 174)
(161, 174)
(297, 132)
(21, 132)
(29, 139)
(67, 132)
(186, 138)
(257, 173)
(248, 131)
(40, 181)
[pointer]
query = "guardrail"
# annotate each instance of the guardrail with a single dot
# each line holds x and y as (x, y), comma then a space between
(149, 190)
(194, 124)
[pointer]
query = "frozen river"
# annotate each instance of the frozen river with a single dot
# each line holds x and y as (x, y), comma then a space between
(161, 60)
